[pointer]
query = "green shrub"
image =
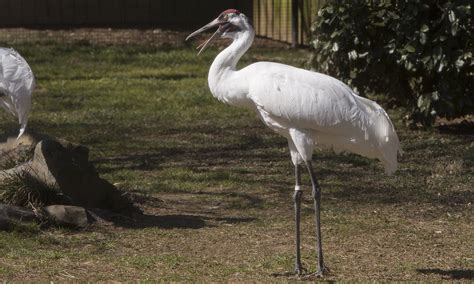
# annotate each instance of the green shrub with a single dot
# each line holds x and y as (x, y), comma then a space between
(419, 55)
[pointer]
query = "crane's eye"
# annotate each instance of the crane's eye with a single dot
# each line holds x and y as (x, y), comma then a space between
(223, 17)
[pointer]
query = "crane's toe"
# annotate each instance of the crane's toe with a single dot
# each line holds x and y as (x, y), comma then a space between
(298, 272)
(317, 275)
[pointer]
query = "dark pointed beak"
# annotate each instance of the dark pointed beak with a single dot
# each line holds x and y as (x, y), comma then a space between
(203, 46)
(214, 23)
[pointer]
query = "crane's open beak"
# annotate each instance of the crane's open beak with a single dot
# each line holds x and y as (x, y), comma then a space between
(204, 45)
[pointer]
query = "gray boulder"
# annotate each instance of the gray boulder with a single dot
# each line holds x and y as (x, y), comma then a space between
(11, 215)
(5, 224)
(16, 151)
(65, 167)
(17, 213)
(69, 216)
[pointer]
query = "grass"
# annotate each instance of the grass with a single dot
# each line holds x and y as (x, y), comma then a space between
(22, 189)
(216, 185)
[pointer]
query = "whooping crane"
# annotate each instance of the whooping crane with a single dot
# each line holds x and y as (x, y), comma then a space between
(307, 108)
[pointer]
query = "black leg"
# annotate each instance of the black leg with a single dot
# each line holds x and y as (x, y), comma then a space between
(297, 200)
(317, 211)
(299, 269)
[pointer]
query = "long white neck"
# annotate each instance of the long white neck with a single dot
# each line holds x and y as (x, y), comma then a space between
(225, 64)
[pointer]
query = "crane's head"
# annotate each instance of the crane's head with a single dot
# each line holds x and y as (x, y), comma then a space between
(230, 24)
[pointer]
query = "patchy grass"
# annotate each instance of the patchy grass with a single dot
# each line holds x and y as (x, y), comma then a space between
(216, 185)
(21, 189)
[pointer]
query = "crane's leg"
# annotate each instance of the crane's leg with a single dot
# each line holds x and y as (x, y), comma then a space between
(317, 211)
(297, 200)
(299, 269)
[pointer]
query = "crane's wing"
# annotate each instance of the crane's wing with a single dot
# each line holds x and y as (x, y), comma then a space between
(16, 85)
(308, 99)
(326, 107)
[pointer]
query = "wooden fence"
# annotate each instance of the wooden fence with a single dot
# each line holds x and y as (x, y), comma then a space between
(286, 20)
(177, 14)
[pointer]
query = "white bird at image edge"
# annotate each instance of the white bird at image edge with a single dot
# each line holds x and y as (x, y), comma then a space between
(16, 85)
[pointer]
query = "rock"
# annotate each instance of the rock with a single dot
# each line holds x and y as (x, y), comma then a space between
(27, 139)
(15, 151)
(17, 213)
(11, 215)
(5, 224)
(66, 166)
(25, 167)
(55, 163)
(70, 216)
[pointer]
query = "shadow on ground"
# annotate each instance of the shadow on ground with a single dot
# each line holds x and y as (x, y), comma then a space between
(168, 221)
(463, 128)
(457, 274)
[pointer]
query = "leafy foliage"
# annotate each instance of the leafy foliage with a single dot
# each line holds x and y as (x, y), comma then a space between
(420, 55)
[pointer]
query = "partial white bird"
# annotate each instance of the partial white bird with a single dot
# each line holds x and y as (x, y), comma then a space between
(16, 85)
(307, 108)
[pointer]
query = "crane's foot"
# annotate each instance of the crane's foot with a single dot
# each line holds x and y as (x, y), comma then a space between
(298, 272)
(317, 275)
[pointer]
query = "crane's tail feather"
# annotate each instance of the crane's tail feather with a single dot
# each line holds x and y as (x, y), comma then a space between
(22, 130)
(376, 137)
(22, 112)
(379, 131)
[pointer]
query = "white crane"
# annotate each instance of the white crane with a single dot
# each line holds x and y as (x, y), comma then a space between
(16, 85)
(307, 108)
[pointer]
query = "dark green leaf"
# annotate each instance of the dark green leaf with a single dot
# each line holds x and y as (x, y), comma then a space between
(410, 48)
(426, 59)
(437, 53)
(422, 38)
(451, 16)
(404, 49)
(454, 29)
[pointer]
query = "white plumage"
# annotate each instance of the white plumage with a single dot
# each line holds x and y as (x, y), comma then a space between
(308, 108)
(16, 85)
(311, 109)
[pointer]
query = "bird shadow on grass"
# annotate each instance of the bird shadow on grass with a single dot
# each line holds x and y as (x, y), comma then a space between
(456, 274)
(463, 128)
(166, 221)
(184, 221)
